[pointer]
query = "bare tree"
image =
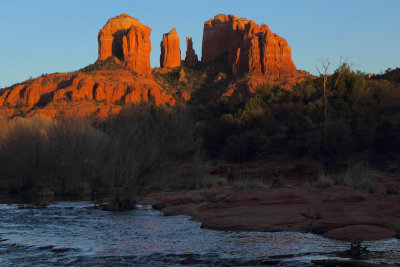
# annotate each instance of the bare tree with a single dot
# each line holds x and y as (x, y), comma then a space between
(325, 66)
(343, 66)
(325, 63)
(144, 141)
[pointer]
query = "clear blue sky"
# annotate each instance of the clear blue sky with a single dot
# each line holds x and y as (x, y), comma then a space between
(45, 36)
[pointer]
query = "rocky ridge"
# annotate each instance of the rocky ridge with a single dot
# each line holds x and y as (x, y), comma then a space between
(98, 93)
(122, 73)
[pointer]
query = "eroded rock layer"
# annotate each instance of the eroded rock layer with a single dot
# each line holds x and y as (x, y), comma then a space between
(102, 92)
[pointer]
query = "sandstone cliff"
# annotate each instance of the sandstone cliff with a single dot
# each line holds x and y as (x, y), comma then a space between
(250, 48)
(122, 73)
(128, 40)
(191, 58)
(81, 94)
(170, 52)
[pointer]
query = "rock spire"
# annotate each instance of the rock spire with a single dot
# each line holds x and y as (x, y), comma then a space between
(191, 58)
(170, 52)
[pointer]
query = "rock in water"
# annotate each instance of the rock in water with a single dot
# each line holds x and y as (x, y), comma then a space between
(170, 52)
(250, 48)
(191, 58)
(128, 40)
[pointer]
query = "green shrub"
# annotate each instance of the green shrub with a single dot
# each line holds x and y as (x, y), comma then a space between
(245, 146)
(336, 144)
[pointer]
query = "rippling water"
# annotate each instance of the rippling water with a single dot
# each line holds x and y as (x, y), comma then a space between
(71, 233)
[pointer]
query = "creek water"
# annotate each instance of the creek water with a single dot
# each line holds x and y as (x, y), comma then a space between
(75, 234)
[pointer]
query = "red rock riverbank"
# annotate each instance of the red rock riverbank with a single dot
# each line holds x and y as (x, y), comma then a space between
(337, 212)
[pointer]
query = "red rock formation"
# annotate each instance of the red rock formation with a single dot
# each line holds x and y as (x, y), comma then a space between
(128, 40)
(100, 90)
(170, 52)
(191, 58)
(338, 212)
(250, 48)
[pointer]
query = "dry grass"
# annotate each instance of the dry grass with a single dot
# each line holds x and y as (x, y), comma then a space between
(249, 184)
(357, 176)
(360, 176)
(323, 182)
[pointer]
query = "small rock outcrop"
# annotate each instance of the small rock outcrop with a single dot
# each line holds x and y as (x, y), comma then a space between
(191, 58)
(170, 52)
(250, 48)
(182, 76)
(125, 38)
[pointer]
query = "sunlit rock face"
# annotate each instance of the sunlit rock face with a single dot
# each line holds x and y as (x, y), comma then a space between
(128, 40)
(191, 58)
(250, 48)
(77, 94)
(170, 52)
(121, 75)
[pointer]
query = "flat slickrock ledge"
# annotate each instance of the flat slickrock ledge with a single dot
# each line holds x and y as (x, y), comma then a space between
(338, 212)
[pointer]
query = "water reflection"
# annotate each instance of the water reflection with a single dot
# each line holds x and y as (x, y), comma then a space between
(71, 233)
